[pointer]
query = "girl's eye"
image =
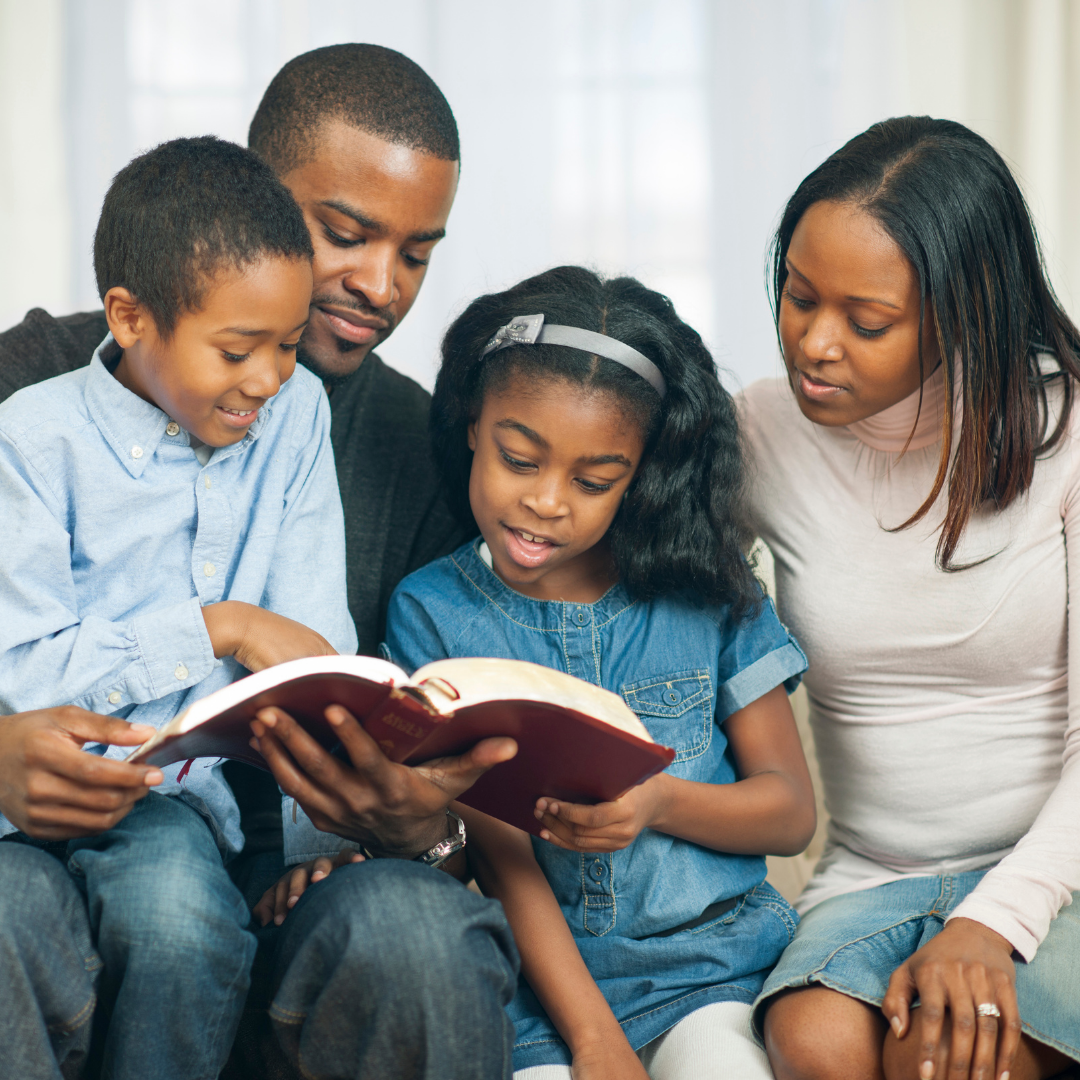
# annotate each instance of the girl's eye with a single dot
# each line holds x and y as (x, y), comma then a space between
(233, 358)
(596, 489)
(797, 301)
(289, 346)
(515, 463)
(862, 331)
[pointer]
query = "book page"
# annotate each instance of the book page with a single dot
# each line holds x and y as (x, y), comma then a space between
(477, 680)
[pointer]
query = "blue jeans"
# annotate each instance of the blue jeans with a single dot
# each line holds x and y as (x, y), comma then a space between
(384, 969)
(131, 961)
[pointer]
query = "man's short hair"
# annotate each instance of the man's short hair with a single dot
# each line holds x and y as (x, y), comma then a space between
(369, 87)
(176, 215)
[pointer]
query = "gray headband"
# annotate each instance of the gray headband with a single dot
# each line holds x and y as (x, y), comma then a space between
(530, 330)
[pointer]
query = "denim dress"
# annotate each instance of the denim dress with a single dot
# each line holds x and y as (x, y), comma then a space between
(665, 926)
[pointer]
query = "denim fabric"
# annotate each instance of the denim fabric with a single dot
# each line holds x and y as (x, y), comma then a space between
(383, 969)
(115, 537)
(144, 923)
(853, 943)
(683, 668)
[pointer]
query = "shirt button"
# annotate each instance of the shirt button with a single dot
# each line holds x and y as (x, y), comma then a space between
(172, 428)
(597, 871)
(206, 481)
(581, 617)
(209, 569)
(672, 697)
(181, 672)
(114, 698)
(136, 452)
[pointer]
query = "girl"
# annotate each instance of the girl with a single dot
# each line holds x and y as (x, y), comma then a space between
(920, 489)
(597, 454)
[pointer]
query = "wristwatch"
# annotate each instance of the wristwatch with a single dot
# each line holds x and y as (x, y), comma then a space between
(442, 851)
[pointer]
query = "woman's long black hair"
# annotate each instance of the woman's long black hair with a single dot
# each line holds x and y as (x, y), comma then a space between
(948, 200)
(681, 527)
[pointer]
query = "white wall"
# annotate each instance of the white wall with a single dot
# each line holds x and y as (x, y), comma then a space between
(656, 137)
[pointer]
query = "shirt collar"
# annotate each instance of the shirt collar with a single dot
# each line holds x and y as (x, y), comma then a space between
(133, 427)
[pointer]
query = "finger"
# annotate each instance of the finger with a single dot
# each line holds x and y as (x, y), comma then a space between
(57, 822)
(281, 898)
(932, 996)
(48, 789)
(455, 775)
(984, 1052)
(1009, 1025)
(897, 1002)
(366, 756)
(961, 1005)
(299, 880)
(309, 756)
(346, 856)
(322, 867)
(264, 909)
(90, 727)
(589, 817)
(292, 781)
(90, 769)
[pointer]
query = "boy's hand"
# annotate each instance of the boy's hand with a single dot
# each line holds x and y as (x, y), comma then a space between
(51, 790)
(608, 826)
(258, 638)
(281, 897)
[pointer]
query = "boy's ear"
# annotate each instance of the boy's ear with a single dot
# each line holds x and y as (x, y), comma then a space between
(126, 317)
(472, 436)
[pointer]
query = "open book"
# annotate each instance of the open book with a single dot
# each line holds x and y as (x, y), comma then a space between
(576, 741)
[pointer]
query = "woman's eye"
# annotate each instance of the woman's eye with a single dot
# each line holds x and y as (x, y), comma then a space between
(798, 301)
(862, 331)
(515, 463)
(233, 358)
(596, 489)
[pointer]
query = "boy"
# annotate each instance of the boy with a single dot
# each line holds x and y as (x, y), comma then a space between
(167, 528)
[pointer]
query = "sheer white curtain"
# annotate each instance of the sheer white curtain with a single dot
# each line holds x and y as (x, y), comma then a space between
(656, 137)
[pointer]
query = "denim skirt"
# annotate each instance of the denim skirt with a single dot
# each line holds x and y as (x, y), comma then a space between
(853, 943)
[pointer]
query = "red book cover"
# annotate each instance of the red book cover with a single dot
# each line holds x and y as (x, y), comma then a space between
(576, 742)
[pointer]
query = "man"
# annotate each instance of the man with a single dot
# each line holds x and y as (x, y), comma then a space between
(389, 968)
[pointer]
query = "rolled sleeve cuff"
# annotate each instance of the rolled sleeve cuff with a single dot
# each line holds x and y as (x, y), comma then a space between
(784, 665)
(303, 842)
(174, 648)
(983, 910)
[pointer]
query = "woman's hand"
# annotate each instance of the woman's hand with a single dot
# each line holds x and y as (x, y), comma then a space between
(608, 826)
(965, 966)
(281, 898)
(258, 638)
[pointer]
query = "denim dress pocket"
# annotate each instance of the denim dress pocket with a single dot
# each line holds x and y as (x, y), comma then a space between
(677, 709)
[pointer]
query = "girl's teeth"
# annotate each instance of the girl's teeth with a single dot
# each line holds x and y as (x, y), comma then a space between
(526, 536)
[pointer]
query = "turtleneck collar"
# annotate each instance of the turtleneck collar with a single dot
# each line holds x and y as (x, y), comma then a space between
(890, 428)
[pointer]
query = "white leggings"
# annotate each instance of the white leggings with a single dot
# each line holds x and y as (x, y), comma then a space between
(713, 1043)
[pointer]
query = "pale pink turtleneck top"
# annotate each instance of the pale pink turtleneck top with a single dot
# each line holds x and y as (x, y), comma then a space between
(945, 707)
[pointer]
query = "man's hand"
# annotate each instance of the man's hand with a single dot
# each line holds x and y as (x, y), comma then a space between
(608, 826)
(258, 638)
(282, 896)
(963, 967)
(51, 790)
(394, 810)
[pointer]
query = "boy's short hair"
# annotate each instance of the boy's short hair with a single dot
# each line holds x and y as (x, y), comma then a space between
(370, 87)
(179, 213)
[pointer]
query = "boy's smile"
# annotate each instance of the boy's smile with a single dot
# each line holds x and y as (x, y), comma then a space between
(551, 463)
(222, 363)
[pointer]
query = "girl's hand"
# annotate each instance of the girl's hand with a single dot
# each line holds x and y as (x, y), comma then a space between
(611, 1063)
(965, 966)
(281, 898)
(607, 826)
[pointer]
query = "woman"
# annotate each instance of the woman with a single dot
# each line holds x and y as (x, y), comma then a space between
(919, 486)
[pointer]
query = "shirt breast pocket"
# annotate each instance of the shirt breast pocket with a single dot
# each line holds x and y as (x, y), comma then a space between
(677, 709)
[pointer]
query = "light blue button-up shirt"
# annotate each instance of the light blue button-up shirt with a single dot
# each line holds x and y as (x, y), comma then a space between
(114, 536)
